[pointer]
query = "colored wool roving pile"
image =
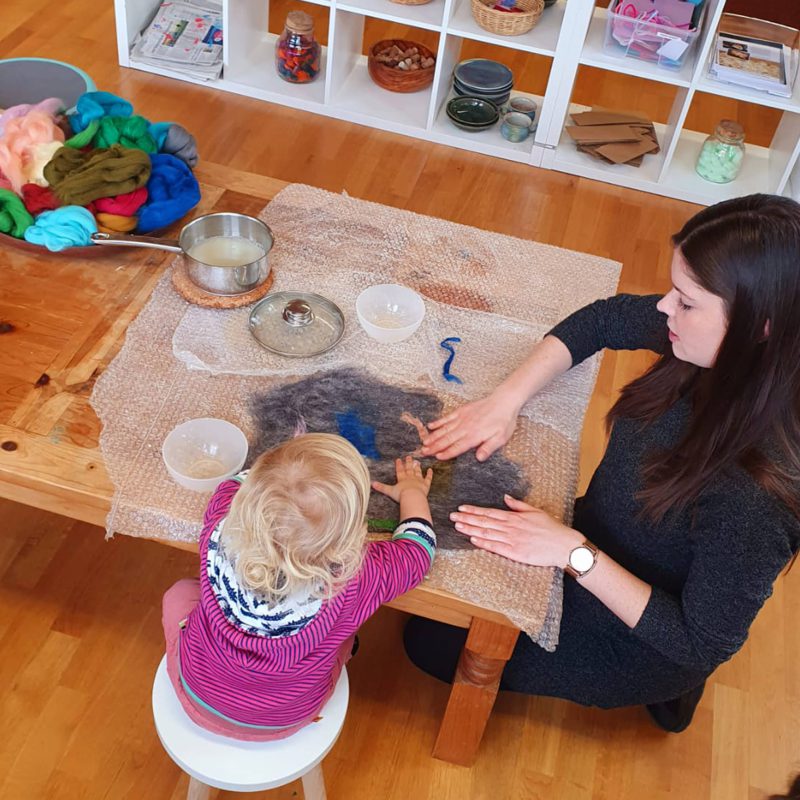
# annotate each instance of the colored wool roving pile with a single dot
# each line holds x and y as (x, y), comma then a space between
(100, 167)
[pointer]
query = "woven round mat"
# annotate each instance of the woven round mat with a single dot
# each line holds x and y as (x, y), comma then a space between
(194, 294)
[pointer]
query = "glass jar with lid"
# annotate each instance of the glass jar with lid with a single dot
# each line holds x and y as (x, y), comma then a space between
(722, 153)
(297, 52)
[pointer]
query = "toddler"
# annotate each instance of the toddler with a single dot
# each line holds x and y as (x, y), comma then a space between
(256, 645)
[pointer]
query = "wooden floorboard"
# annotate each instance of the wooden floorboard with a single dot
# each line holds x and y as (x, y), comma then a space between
(80, 633)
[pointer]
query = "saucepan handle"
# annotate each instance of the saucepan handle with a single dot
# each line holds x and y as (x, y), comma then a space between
(128, 240)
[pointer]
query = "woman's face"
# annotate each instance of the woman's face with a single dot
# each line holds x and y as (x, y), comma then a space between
(696, 318)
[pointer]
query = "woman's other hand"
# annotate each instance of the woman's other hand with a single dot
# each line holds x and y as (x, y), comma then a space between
(524, 533)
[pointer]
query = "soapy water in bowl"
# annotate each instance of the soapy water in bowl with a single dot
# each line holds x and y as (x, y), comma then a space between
(205, 467)
(226, 251)
(389, 318)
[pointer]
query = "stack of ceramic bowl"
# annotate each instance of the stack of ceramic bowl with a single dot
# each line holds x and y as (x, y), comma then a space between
(483, 78)
(472, 113)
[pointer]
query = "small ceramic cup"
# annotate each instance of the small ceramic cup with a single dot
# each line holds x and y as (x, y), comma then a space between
(522, 105)
(516, 126)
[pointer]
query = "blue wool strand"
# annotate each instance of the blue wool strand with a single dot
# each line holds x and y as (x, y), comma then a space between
(447, 344)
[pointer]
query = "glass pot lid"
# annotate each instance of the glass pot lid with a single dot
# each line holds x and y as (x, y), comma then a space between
(296, 324)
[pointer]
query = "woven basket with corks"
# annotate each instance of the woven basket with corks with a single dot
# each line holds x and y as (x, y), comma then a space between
(401, 66)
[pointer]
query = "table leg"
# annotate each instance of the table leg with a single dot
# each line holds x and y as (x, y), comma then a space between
(489, 646)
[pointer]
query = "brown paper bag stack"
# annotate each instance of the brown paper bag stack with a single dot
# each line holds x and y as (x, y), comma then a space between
(614, 137)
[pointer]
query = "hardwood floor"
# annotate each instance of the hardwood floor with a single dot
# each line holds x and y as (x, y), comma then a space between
(80, 632)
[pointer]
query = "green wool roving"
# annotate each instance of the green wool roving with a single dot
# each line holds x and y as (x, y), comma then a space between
(14, 217)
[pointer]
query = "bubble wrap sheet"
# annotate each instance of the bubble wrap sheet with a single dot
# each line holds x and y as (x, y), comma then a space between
(497, 293)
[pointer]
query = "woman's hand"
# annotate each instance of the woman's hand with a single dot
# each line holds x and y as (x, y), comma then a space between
(409, 479)
(525, 534)
(486, 424)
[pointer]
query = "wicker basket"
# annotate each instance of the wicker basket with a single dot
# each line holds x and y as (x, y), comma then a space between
(506, 23)
(411, 2)
(398, 80)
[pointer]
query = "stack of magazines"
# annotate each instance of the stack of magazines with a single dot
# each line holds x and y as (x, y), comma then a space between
(757, 54)
(184, 37)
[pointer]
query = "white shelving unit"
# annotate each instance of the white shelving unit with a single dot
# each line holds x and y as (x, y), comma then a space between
(570, 33)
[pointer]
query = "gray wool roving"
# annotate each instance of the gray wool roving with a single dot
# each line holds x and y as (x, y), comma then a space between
(368, 413)
(181, 144)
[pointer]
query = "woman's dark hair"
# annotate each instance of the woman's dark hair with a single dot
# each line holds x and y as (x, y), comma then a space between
(793, 792)
(746, 407)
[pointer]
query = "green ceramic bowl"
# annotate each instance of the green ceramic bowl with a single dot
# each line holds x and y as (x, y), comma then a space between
(472, 113)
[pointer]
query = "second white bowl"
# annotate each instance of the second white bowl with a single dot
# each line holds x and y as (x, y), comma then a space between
(201, 453)
(389, 312)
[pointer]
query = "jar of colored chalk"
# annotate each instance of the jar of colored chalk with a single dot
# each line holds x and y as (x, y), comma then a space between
(722, 153)
(297, 52)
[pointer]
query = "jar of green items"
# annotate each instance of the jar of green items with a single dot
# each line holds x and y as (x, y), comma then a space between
(297, 52)
(722, 153)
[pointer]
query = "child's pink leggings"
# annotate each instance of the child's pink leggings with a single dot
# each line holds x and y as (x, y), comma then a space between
(178, 602)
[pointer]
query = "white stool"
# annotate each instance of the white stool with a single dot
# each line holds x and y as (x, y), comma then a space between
(237, 766)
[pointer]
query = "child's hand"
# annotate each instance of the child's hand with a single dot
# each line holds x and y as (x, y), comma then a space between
(409, 479)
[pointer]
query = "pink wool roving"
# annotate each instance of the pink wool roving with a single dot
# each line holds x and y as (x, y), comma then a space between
(52, 106)
(20, 137)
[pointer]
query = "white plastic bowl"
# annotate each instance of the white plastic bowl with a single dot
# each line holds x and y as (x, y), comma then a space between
(389, 313)
(201, 453)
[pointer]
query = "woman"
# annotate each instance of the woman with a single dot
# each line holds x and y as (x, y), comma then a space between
(693, 511)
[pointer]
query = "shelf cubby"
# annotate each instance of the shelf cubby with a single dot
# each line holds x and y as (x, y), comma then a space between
(353, 92)
(428, 15)
(542, 39)
(251, 63)
(766, 167)
(489, 142)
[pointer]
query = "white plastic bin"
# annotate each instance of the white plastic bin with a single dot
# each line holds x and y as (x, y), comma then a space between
(628, 37)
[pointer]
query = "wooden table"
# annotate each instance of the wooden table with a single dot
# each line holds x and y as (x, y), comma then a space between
(62, 320)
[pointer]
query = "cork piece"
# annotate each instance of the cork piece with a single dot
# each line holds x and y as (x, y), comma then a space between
(194, 294)
(299, 22)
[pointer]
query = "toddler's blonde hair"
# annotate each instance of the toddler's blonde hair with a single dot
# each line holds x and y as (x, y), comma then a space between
(299, 519)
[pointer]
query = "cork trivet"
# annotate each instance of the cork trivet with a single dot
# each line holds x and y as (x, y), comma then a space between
(194, 294)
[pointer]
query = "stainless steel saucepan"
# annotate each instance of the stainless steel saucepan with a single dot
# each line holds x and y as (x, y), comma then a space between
(226, 281)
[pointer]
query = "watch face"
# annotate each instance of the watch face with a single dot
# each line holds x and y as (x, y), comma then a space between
(581, 559)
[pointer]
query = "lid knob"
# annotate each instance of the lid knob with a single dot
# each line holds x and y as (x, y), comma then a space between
(298, 313)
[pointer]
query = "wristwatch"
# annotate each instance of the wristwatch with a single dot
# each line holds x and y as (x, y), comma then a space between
(581, 560)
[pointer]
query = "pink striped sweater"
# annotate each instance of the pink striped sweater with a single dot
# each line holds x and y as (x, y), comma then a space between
(267, 681)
